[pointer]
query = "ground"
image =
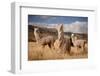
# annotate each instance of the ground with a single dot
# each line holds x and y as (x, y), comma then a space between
(37, 52)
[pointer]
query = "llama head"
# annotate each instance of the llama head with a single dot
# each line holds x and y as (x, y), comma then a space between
(74, 37)
(60, 27)
(36, 30)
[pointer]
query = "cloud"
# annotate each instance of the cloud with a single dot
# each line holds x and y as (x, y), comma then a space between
(48, 17)
(76, 27)
(44, 17)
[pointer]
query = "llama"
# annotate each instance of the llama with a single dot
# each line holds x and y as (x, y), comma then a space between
(62, 44)
(60, 36)
(78, 43)
(48, 40)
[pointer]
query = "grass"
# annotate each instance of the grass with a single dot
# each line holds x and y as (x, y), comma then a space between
(37, 52)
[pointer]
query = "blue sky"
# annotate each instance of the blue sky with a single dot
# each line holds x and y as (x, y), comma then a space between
(55, 19)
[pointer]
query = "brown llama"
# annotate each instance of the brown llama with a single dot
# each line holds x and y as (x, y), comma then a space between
(62, 44)
(48, 40)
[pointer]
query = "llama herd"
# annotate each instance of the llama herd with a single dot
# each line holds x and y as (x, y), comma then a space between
(61, 44)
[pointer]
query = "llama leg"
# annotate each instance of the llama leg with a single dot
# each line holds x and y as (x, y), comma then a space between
(77, 50)
(69, 49)
(83, 49)
(52, 45)
(49, 45)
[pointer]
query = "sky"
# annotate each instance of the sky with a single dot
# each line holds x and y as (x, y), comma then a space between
(55, 19)
(71, 23)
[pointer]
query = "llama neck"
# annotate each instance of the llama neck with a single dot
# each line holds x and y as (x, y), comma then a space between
(37, 37)
(60, 35)
(73, 39)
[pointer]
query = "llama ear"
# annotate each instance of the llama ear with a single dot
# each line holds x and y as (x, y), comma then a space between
(59, 27)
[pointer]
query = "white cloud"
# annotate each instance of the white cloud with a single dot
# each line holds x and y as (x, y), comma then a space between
(76, 27)
(47, 17)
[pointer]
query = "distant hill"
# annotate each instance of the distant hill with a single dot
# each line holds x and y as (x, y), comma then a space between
(44, 31)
